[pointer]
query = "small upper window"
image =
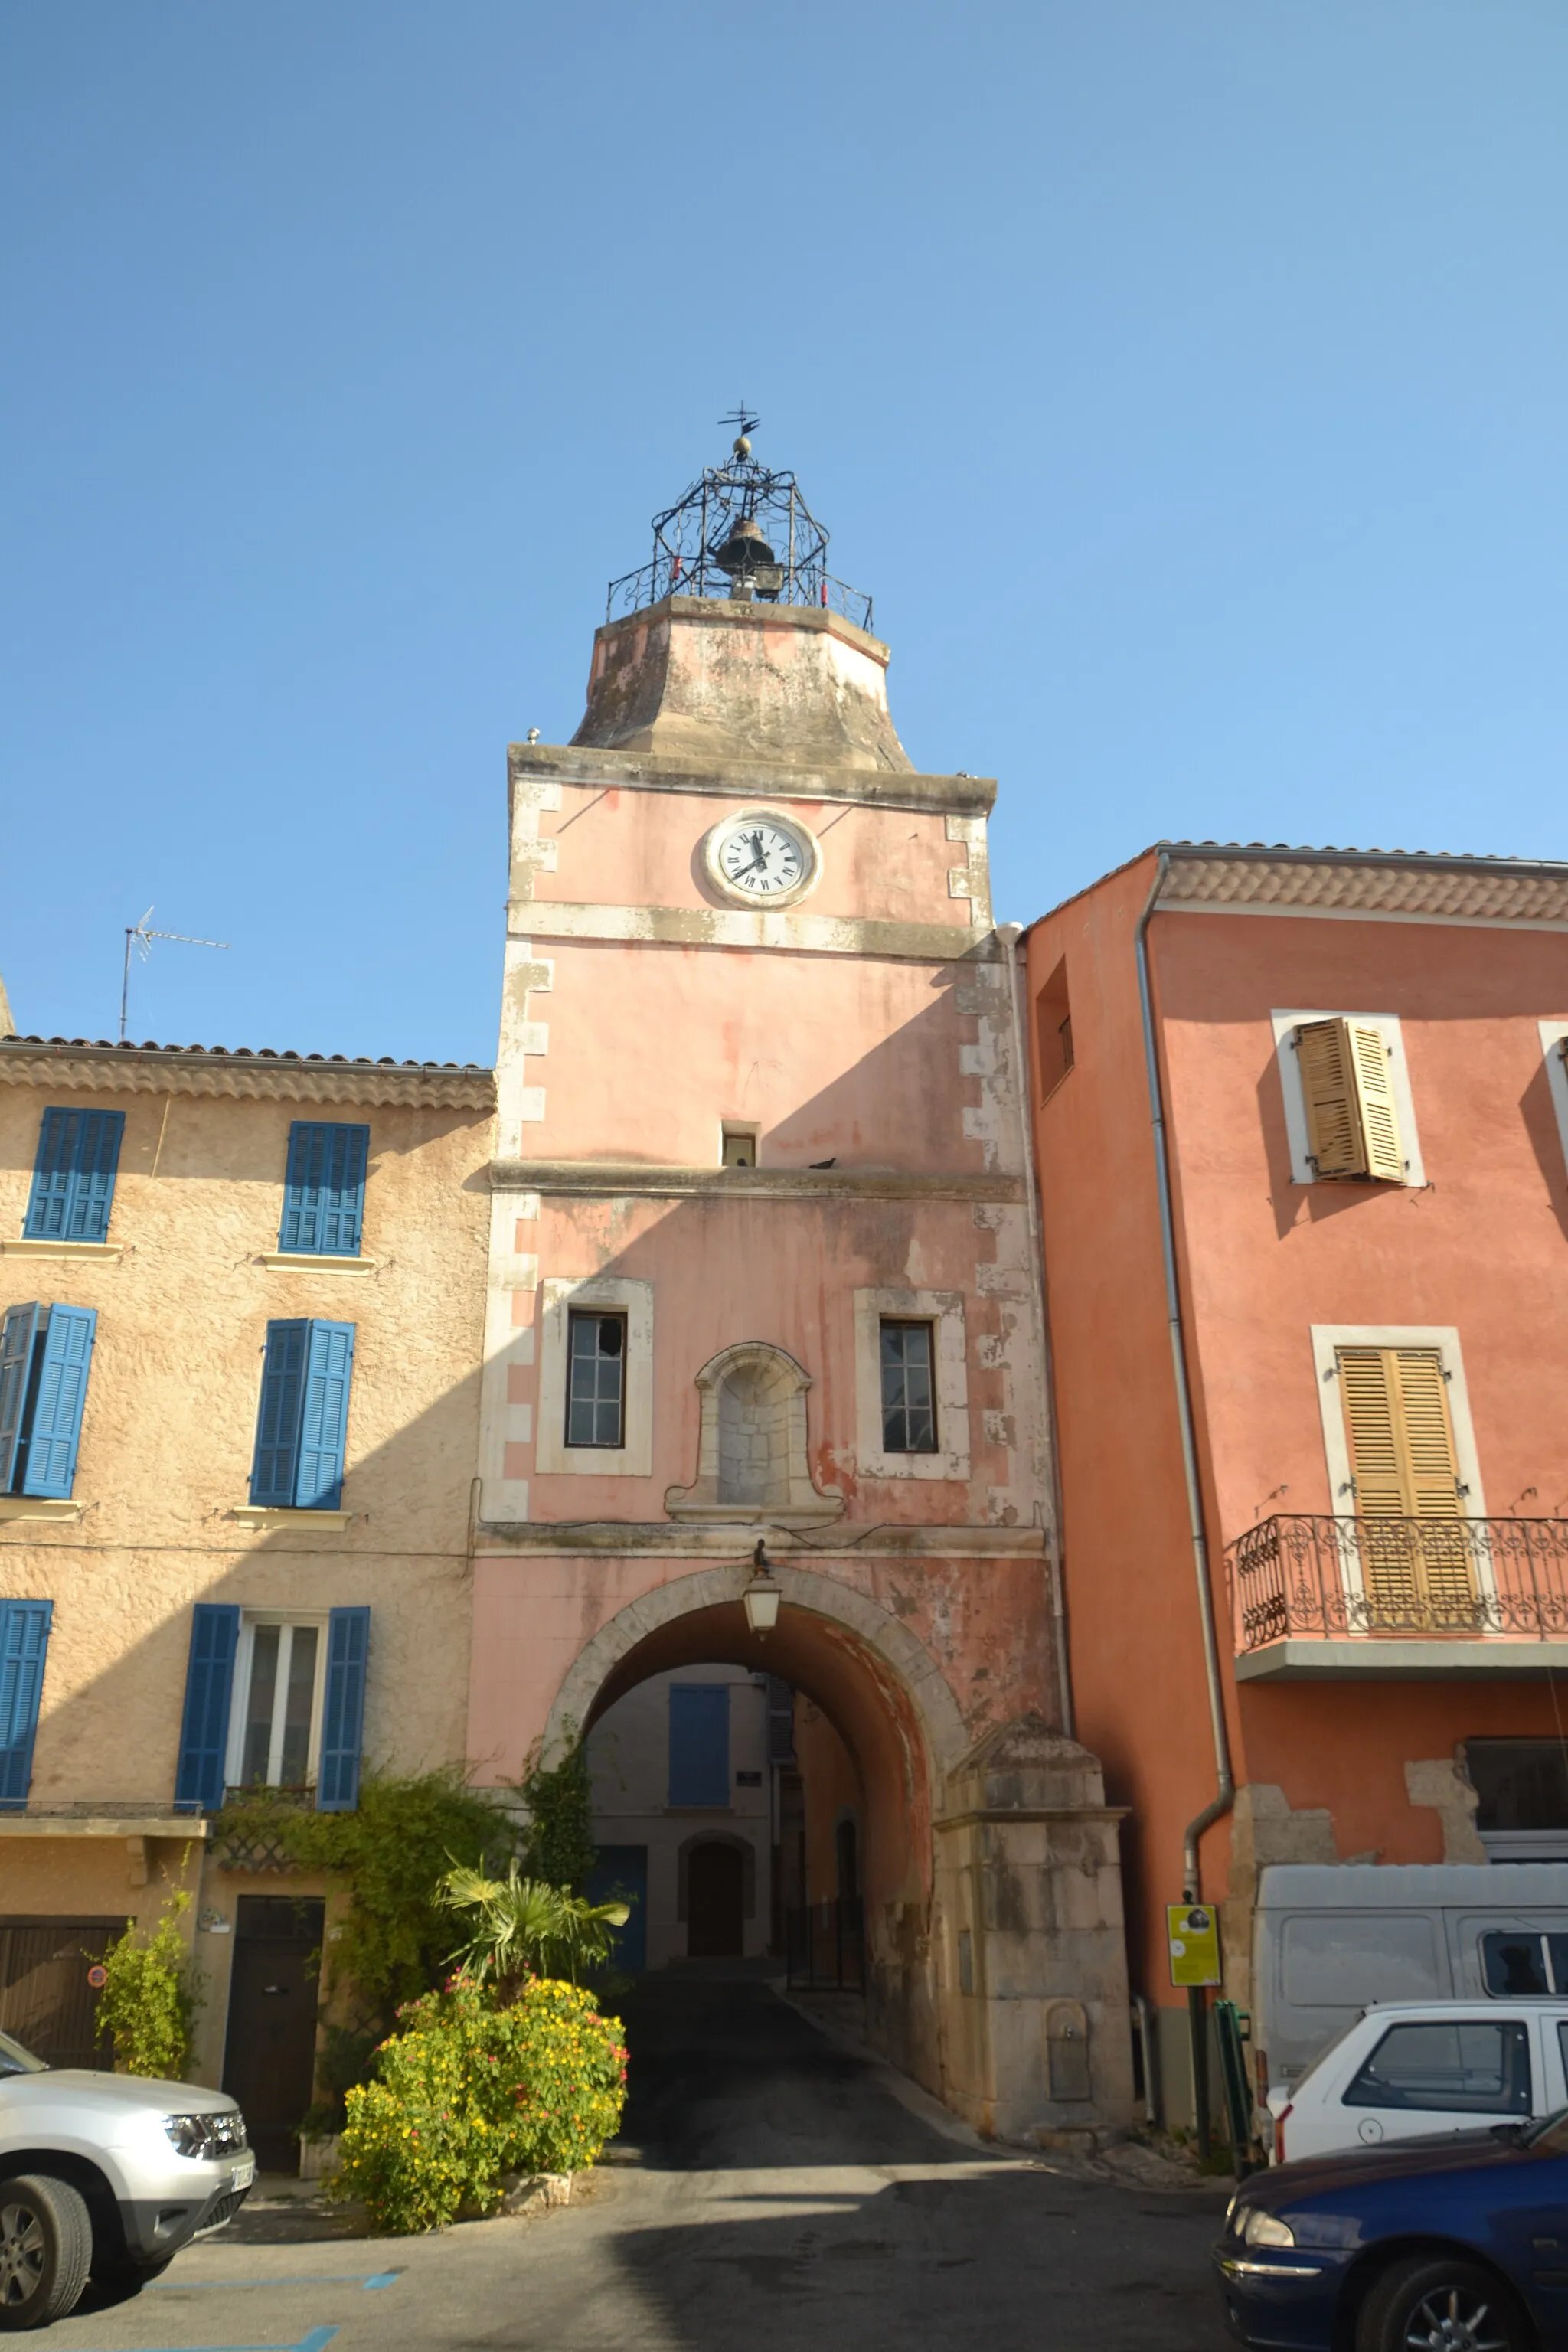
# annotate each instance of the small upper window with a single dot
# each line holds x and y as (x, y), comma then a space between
(908, 1390)
(740, 1146)
(1053, 1030)
(324, 1192)
(73, 1176)
(596, 1380)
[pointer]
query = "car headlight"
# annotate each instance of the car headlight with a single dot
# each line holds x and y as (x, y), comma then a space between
(1261, 2229)
(189, 2135)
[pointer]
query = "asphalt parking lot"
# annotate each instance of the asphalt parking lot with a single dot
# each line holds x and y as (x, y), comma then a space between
(770, 2189)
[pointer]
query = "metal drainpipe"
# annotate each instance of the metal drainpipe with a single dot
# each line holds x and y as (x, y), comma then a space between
(1224, 1797)
(1012, 934)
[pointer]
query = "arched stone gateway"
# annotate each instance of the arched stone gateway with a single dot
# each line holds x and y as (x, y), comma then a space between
(990, 1867)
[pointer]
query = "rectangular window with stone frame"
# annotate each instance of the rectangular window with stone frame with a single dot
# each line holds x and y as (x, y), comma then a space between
(597, 1378)
(909, 1387)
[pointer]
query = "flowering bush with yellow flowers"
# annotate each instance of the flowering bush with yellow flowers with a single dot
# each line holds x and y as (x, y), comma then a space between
(471, 2090)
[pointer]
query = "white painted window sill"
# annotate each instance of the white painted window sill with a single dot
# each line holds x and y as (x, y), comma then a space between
(252, 1515)
(37, 1507)
(18, 1245)
(308, 1261)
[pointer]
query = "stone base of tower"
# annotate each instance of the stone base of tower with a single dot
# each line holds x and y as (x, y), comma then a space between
(1029, 2014)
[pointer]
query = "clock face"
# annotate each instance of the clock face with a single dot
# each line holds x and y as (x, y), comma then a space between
(763, 858)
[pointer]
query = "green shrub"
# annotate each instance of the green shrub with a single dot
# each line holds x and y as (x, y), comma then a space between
(149, 1999)
(471, 2090)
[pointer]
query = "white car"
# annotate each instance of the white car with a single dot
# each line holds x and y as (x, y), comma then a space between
(1409, 2069)
(105, 2174)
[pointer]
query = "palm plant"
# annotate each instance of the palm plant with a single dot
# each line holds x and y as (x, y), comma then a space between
(522, 1926)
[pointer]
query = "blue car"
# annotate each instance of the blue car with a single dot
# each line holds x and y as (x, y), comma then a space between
(1457, 2244)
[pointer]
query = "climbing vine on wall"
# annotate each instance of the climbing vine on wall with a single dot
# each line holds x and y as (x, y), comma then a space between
(558, 1843)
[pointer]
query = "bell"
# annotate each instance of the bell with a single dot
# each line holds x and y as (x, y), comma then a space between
(744, 549)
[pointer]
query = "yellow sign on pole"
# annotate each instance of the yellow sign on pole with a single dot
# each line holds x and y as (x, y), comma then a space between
(1192, 1932)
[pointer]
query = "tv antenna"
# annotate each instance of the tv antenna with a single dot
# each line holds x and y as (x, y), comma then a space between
(139, 937)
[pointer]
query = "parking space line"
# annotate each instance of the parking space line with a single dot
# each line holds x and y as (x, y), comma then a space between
(324, 2278)
(317, 2341)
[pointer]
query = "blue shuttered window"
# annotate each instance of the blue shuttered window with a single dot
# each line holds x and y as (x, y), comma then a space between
(302, 1426)
(209, 1688)
(64, 1357)
(46, 1354)
(699, 1743)
(17, 1333)
(324, 1192)
(342, 1725)
(24, 1640)
(73, 1176)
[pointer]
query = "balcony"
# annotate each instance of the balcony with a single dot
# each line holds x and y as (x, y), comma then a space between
(1404, 1600)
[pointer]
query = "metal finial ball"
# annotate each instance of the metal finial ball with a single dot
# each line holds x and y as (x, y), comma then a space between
(743, 447)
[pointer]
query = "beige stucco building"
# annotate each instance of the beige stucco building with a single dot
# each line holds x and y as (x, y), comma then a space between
(241, 1301)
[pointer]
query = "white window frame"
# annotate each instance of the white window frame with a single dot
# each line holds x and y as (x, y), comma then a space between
(1553, 1038)
(239, 1702)
(943, 1309)
(553, 1458)
(1327, 1339)
(1290, 1061)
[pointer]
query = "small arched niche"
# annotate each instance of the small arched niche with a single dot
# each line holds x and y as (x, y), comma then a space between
(751, 1456)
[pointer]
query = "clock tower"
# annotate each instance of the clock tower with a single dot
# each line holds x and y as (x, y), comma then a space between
(763, 1287)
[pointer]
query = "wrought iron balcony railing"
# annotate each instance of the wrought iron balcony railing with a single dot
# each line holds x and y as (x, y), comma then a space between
(1342, 1578)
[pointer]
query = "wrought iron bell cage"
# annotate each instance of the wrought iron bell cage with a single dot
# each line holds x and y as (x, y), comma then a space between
(743, 533)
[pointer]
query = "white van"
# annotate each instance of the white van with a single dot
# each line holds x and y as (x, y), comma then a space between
(1330, 1938)
(1407, 2069)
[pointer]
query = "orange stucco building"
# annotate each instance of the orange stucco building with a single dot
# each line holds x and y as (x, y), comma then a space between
(1350, 1069)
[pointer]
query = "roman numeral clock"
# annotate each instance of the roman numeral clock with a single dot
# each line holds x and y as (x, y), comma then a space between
(761, 858)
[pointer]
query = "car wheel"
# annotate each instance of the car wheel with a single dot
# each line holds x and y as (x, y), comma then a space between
(45, 2246)
(1428, 2305)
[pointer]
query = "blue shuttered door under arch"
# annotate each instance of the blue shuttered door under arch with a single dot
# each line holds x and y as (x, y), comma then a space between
(699, 1743)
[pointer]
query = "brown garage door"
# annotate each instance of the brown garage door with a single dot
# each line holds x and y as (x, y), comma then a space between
(46, 2000)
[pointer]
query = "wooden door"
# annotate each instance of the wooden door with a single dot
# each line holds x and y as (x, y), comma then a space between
(715, 1883)
(46, 2000)
(269, 2060)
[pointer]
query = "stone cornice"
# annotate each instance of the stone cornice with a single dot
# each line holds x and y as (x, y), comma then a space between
(888, 1539)
(602, 1180)
(657, 772)
(74, 1063)
(795, 931)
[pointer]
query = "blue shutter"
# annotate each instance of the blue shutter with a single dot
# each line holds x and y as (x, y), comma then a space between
(65, 1358)
(48, 1204)
(17, 1333)
(209, 1685)
(323, 1426)
(73, 1175)
(699, 1743)
(276, 1455)
(342, 1730)
(97, 1161)
(324, 1192)
(24, 1638)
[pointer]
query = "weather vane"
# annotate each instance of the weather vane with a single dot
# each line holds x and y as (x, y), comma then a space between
(743, 420)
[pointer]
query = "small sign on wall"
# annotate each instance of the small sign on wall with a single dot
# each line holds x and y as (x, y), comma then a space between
(1192, 1931)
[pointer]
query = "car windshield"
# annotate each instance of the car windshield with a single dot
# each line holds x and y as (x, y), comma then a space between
(15, 2060)
(1548, 2137)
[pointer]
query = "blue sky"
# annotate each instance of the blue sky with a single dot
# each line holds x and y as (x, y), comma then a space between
(1185, 379)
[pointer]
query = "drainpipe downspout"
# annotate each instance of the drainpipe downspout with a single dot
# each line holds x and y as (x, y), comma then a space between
(1012, 936)
(1224, 1790)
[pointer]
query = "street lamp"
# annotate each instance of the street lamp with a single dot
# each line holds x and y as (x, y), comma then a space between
(763, 1595)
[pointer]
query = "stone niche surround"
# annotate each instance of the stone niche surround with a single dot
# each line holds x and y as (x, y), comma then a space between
(752, 1459)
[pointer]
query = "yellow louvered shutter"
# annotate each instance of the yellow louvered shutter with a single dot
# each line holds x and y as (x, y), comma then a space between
(1402, 1460)
(1329, 1091)
(1352, 1128)
(1370, 1061)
